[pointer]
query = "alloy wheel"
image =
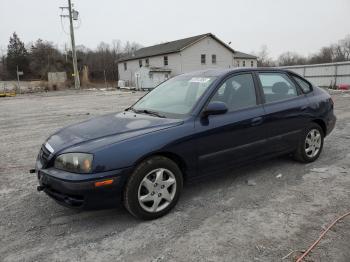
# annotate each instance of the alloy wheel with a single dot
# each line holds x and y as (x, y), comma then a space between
(157, 190)
(313, 143)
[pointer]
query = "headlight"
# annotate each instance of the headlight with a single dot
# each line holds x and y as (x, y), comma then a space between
(74, 162)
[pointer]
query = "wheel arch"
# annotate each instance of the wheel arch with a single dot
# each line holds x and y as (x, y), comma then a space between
(170, 155)
(322, 124)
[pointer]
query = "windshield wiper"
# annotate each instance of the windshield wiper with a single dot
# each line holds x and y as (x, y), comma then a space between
(146, 111)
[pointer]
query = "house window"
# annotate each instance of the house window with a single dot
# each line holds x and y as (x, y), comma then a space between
(243, 63)
(203, 59)
(125, 67)
(213, 59)
(147, 61)
(140, 62)
(165, 60)
(237, 63)
(252, 63)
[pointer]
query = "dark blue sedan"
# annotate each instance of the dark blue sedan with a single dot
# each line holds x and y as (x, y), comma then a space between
(193, 125)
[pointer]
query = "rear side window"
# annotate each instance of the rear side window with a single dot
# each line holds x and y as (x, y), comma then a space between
(305, 86)
(237, 92)
(277, 86)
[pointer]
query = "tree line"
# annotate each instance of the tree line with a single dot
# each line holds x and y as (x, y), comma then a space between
(36, 59)
(334, 53)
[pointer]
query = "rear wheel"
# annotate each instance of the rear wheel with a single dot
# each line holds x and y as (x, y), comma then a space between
(154, 188)
(310, 144)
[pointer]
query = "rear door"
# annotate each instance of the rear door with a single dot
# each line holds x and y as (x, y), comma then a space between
(236, 136)
(285, 110)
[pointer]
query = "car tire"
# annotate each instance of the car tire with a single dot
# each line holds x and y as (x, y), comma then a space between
(154, 188)
(310, 144)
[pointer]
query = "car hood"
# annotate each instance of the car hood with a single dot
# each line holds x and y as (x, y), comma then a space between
(118, 126)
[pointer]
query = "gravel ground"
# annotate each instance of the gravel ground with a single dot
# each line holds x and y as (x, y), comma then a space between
(283, 208)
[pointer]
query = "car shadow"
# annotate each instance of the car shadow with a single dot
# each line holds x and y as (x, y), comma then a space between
(197, 194)
(110, 215)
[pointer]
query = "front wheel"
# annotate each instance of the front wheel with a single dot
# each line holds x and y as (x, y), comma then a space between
(310, 144)
(154, 188)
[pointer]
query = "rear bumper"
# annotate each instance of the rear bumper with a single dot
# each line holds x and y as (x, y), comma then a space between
(331, 123)
(79, 191)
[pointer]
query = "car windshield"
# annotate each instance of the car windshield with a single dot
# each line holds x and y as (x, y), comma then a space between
(175, 97)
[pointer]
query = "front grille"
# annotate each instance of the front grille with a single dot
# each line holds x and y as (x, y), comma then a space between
(44, 155)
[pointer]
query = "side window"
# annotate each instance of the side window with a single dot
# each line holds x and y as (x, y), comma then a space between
(305, 86)
(237, 92)
(277, 86)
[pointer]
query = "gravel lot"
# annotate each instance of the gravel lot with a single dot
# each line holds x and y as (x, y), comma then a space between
(221, 219)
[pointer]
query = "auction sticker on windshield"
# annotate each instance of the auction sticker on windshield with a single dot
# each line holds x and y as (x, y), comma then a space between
(199, 80)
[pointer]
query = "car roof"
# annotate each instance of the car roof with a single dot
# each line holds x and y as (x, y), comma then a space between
(226, 71)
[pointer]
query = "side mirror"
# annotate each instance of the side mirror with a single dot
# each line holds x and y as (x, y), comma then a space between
(215, 108)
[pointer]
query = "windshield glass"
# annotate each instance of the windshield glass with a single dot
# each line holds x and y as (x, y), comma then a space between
(175, 97)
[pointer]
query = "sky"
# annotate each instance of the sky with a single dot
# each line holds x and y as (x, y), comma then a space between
(302, 26)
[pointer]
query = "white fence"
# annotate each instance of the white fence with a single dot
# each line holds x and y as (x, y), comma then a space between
(324, 74)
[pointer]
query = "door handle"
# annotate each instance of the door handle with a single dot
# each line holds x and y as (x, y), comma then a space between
(256, 121)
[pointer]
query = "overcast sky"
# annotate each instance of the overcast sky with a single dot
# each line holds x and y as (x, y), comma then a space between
(302, 26)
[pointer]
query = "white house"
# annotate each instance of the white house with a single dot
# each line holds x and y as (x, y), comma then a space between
(245, 60)
(149, 66)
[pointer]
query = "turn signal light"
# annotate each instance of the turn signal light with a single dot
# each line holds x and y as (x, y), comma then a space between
(103, 183)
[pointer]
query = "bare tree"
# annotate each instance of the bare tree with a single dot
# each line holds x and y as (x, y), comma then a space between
(291, 58)
(345, 47)
(130, 48)
(263, 57)
(325, 55)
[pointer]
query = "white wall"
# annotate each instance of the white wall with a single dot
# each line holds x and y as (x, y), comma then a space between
(324, 74)
(144, 80)
(191, 56)
(239, 62)
(129, 74)
(174, 63)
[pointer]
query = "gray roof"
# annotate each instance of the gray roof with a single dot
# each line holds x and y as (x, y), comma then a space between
(169, 47)
(242, 55)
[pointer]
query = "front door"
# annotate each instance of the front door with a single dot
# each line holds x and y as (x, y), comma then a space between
(235, 136)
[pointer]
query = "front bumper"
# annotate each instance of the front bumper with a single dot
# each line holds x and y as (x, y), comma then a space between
(79, 190)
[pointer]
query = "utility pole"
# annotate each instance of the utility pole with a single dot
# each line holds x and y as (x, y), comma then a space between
(74, 54)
